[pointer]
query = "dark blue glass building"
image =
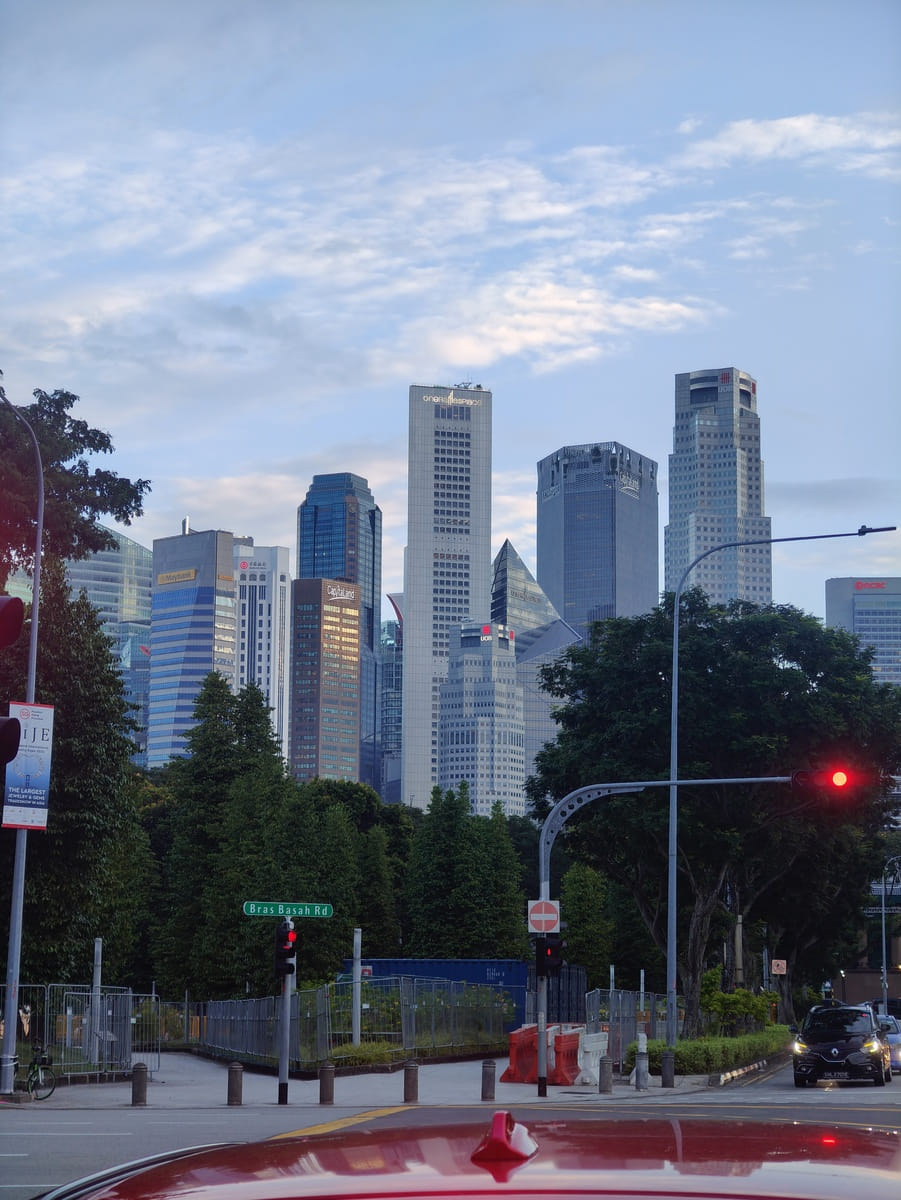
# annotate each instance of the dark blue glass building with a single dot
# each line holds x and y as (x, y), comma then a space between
(339, 536)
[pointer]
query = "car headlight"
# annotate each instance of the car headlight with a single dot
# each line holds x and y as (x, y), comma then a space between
(799, 1046)
(872, 1046)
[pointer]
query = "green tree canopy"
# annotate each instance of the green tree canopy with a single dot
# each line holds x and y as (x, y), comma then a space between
(75, 497)
(762, 691)
(82, 873)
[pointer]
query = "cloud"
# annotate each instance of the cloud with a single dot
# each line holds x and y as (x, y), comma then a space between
(865, 142)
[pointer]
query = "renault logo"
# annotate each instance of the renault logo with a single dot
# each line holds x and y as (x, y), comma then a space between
(834, 1052)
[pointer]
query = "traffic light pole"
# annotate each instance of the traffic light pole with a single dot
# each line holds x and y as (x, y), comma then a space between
(284, 1050)
(553, 824)
(17, 903)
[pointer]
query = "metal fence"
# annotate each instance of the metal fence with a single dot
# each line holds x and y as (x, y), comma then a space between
(88, 1030)
(622, 1016)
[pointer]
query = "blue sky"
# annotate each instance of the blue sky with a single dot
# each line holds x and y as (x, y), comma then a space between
(240, 229)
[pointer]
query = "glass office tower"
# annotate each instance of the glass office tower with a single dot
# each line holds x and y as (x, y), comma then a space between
(870, 606)
(263, 586)
(117, 582)
(716, 488)
(447, 566)
(192, 632)
(597, 532)
(339, 537)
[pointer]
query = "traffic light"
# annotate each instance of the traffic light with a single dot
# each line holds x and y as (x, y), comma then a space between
(285, 948)
(554, 953)
(12, 616)
(833, 781)
(541, 956)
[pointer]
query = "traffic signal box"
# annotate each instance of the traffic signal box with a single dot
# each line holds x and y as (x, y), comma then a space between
(833, 781)
(285, 948)
(12, 616)
(549, 949)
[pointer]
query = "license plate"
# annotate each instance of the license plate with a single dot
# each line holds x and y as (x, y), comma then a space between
(835, 1075)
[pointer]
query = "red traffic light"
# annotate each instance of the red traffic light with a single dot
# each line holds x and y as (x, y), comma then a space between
(839, 778)
(834, 781)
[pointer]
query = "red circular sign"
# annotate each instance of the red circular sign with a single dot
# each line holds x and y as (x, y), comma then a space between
(544, 916)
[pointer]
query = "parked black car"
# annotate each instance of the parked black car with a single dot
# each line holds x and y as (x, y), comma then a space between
(841, 1042)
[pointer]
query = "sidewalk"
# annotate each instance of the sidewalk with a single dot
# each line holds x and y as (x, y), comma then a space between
(188, 1081)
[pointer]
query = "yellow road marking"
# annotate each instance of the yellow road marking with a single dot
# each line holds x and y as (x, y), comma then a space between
(341, 1123)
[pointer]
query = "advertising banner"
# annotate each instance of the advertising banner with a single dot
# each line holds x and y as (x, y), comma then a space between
(28, 775)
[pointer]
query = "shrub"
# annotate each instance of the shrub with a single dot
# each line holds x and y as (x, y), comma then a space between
(706, 1056)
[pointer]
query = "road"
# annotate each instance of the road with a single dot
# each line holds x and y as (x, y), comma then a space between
(83, 1128)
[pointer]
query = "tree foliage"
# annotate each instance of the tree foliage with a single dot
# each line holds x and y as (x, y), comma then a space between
(762, 691)
(75, 496)
(83, 874)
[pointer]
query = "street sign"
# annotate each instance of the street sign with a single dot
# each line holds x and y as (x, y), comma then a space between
(275, 908)
(779, 966)
(890, 910)
(544, 916)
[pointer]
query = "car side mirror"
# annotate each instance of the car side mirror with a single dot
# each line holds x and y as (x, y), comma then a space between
(793, 1029)
(884, 1027)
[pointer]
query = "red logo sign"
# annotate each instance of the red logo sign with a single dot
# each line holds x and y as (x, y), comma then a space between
(863, 584)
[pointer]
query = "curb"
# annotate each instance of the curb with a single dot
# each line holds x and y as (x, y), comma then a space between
(724, 1077)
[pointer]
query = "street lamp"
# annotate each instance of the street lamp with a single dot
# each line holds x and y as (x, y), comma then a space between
(895, 864)
(671, 963)
(14, 954)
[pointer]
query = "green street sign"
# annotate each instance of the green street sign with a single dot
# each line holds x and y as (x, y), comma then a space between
(274, 908)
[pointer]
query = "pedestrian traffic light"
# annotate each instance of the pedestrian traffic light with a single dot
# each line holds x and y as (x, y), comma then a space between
(12, 616)
(285, 948)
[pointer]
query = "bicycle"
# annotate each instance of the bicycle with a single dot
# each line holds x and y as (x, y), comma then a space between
(40, 1080)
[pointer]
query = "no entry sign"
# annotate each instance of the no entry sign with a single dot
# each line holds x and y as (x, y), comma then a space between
(544, 916)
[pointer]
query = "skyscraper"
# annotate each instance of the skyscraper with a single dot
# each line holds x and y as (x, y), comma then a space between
(447, 567)
(117, 582)
(263, 587)
(716, 488)
(192, 632)
(597, 532)
(339, 537)
(541, 636)
(325, 688)
(871, 608)
(391, 690)
(481, 719)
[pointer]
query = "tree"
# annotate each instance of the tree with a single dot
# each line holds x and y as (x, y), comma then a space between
(589, 930)
(762, 691)
(82, 869)
(75, 498)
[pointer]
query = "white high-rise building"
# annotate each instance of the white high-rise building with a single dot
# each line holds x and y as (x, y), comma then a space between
(716, 488)
(263, 594)
(447, 565)
(482, 729)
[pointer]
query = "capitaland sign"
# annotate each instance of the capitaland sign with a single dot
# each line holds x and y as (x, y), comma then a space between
(863, 585)
(336, 592)
(452, 398)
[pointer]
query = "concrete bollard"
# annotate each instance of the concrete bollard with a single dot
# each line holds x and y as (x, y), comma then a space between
(235, 1083)
(411, 1083)
(605, 1075)
(327, 1083)
(488, 1072)
(668, 1068)
(139, 1085)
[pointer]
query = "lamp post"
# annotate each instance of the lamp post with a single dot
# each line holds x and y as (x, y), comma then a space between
(671, 962)
(895, 864)
(14, 955)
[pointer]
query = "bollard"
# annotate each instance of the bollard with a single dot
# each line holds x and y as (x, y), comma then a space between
(139, 1085)
(488, 1070)
(235, 1082)
(411, 1083)
(327, 1083)
(605, 1075)
(668, 1069)
(641, 1071)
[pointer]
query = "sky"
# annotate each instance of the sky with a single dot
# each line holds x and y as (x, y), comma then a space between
(239, 230)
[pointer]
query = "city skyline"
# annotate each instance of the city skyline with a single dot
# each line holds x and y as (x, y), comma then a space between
(240, 244)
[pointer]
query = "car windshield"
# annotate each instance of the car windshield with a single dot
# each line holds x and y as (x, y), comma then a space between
(837, 1021)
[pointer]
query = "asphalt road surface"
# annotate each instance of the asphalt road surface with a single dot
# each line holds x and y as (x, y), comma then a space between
(84, 1128)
